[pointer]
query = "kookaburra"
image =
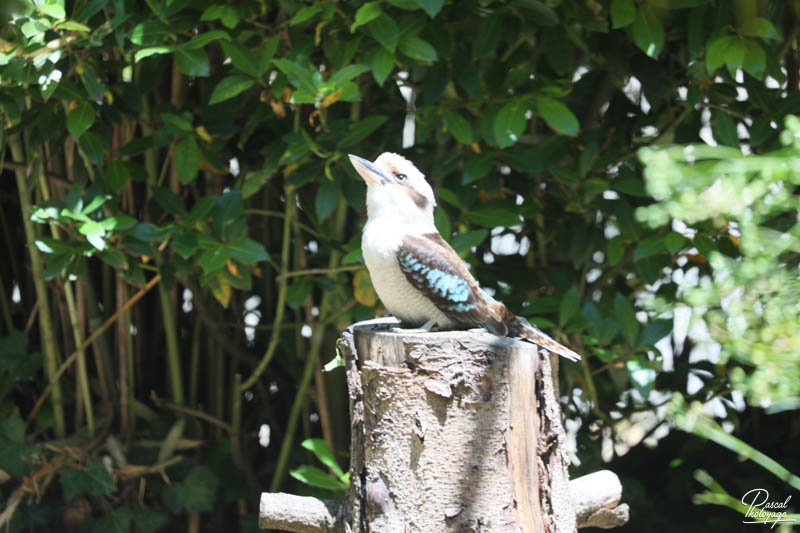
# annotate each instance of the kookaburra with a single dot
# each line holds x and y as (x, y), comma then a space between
(419, 277)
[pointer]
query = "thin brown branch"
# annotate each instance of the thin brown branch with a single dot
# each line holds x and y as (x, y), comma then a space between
(318, 271)
(196, 413)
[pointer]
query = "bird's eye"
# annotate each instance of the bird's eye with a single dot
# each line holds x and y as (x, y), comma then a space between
(401, 177)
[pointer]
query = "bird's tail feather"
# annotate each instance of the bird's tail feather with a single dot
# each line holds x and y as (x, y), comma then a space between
(519, 327)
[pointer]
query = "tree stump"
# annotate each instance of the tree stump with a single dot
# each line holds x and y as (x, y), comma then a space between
(455, 431)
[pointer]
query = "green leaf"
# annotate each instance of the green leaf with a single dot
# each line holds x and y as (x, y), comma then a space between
(248, 251)
(305, 13)
(230, 17)
(145, 231)
(345, 74)
(489, 32)
(557, 115)
(15, 455)
(186, 244)
(151, 33)
(615, 250)
(654, 332)
(311, 475)
(542, 13)
(382, 64)
(569, 305)
(49, 245)
(298, 75)
(89, 9)
(214, 259)
(648, 33)
(52, 10)
(464, 242)
(117, 175)
(467, 75)
(151, 51)
(114, 257)
(326, 199)
(450, 197)
(71, 25)
(196, 493)
(94, 146)
(650, 246)
(642, 376)
(297, 292)
(674, 241)
(717, 51)
(187, 160)
(623, 13)
(626, 316)
(458, 126)
(336, 362)
(205, 38)
(431, 7)
(510, 123)
(322, 451)
(97, 241)
(361, 129)
(384, 30)
(95, 203)
(418, 49)
(476, 167)
(267, 54)
(367, 12)
(169, 201)
(95, 479)
(242, 58)
(148, 521)
(118, 223)
(491, 218)
(724, 129)
(230, 87)
(192, 62)
(735, 55)
(755, 59)
(80, 119)
(201, 209)
(178, 124)
(758, 27)
(212, 12)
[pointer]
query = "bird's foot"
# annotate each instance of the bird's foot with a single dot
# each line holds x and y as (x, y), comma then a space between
(425, 328)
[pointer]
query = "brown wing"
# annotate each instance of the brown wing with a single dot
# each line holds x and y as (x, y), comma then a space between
(432, 266)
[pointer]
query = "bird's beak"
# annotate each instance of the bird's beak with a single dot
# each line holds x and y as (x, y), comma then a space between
(368, 171)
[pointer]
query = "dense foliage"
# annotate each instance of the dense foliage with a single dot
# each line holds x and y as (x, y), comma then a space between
(181, 234)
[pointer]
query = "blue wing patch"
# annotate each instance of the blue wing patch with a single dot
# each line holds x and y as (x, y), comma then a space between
(444, 286)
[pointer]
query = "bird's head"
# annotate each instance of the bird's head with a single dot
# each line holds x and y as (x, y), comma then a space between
(396, 188)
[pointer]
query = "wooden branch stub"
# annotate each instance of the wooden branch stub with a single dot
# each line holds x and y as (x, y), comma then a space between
(595, 498)
(302, 514)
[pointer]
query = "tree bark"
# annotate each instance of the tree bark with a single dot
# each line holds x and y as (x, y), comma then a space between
(454, 431)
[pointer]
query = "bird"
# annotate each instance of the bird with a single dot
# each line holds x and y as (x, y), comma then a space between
(418, 276)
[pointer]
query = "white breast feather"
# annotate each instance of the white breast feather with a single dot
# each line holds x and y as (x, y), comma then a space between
(380, 242)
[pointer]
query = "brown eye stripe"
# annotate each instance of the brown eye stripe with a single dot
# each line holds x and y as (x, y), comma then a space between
(420, 200)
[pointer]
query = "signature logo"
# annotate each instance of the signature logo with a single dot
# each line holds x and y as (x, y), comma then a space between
(760, 510)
